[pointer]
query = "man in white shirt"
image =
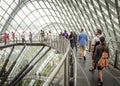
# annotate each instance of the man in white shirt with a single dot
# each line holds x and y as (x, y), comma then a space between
(95, 42)
(23, 37)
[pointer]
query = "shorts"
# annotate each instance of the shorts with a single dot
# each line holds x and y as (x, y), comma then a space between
(82, 48)
(99, 68)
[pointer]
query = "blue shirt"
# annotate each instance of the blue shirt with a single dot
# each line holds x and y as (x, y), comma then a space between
(82, 38)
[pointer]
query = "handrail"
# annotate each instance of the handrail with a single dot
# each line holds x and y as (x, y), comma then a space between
(52, 75)
(75, 67)
(62, 45)
(51, 42)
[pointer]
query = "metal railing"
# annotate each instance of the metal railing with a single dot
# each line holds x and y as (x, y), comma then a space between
(68, 60)
(114, 53)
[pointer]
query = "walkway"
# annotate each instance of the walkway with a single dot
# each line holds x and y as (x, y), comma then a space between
(84, 76)
(111, 76)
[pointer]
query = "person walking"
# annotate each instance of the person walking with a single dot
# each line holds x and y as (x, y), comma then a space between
(75, 39)
(95, 42)
(72, 41)
(83, 41)
(5, 38)
(65, 34)
(102, 47)
(13, 36)
(23, 37)
(49, 37)
(30, 37)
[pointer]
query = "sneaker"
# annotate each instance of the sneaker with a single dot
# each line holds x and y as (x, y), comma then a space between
(80, 58)
(100, 83)
(92, 70)
(98, 79)
(84, 58)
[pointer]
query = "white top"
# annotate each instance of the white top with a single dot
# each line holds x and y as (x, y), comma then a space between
(23, 35)
(95, 39)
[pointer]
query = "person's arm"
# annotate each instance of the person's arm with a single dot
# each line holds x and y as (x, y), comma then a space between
(108, 51)
(96, 54)
(86, 40)
(92, 47)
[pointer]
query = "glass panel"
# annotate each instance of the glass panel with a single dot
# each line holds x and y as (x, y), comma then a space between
(99, 13)
(116, 26)
(29, 5)
(41, 20)
(95, 3)
(102, 21)
(47, 11)
(52, 19)
(31, 18)
(13, 5)
(113, 1)
(116, 20)
(18, 19)
(5, 5)
(9, 10)
(48, 5)
(107, 20)
(83, 2)
(94, 26)
(53, 13)
(42, 4)
(14, 24)
(91, 7)
(53, 6)
(40, 12)
(87, 11)
(119, 3)
(21, 14)
(6, 16)
(103, 2)
(11, 28)
(26, 10)
(94, 16)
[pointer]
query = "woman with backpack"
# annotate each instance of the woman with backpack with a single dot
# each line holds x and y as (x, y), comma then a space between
(100, 49)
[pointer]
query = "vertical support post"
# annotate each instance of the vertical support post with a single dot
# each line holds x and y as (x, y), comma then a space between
(66, 72)
(71, 81)
(89, 46)
(63, 46)
(115, 63)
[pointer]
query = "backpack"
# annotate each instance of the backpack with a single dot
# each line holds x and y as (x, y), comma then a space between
(103, 61)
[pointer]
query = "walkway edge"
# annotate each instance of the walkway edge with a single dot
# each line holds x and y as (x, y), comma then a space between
(85, 75)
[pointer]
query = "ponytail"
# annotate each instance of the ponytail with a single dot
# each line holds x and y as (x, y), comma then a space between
(103, 44)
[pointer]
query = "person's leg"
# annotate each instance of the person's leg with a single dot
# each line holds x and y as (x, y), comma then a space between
(100, 74)
(22, 40)
(84, 52)
(72, 45)
(30, 40)
(81, 51)
(5, 41)
(93, 64)
(76, 46)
